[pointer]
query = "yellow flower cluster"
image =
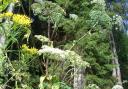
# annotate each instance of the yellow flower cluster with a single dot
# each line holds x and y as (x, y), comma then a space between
(21, 19)
(7, 14)
(17, 18)
(29, 50)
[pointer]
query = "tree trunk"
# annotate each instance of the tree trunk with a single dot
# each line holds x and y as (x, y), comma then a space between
(78, 78)
(116, 70)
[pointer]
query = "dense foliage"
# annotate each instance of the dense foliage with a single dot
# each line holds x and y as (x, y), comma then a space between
(43, 41)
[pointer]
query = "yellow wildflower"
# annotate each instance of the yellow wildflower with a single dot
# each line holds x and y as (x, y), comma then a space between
(29, 50)
(7, 14)
(24, 46)
(33, 50)
(21, 19)
(17, 18)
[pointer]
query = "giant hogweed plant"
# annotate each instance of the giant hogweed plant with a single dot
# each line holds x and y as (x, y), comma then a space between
(65, 58)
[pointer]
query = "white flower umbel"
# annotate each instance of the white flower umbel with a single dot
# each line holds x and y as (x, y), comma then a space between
(119, 21)
(61, 55)
(52, 53)
(42, 38)
(76, 59)
(117, 87)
